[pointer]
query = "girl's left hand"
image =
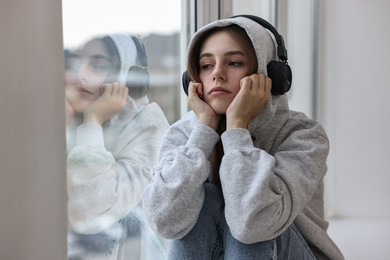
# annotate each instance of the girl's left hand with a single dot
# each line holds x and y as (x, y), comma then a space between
(112, 100)
(250, 101)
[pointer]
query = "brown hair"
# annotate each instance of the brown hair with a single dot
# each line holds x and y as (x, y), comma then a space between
(235, 31)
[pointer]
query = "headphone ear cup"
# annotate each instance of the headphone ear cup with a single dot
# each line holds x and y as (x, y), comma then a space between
(185, 80)
(281, 75)
(137, 81)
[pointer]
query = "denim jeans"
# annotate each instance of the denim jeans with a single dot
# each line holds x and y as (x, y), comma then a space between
(210, 238)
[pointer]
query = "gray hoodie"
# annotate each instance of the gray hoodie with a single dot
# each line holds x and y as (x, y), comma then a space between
(271, 173)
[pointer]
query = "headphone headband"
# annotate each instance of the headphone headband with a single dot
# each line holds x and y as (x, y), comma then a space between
(141, 60)
(138, 76)
(281, 49)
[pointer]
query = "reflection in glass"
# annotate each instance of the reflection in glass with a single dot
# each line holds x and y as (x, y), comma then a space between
(117, 156)
(159, 31)
(113, 137)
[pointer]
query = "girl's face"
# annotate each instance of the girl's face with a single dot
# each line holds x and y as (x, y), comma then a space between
(88, 70)
(223, 63)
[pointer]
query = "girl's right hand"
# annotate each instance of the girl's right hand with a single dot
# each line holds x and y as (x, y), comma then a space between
(206, 115)
(112, 100)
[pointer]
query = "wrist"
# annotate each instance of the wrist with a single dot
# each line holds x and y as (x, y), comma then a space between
(90, 118)
(210, 121)
(232, 123)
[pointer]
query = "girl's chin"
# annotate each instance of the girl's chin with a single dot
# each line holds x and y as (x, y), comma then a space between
(79, 107)
(219, 110)
(219, 104)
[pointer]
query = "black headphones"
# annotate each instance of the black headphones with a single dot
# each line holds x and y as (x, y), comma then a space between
(137, 79)
(279, 71)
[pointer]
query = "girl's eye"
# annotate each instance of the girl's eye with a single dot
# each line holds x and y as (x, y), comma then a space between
(206, 66)
(99, 67)
(236, 63)
(72, 64)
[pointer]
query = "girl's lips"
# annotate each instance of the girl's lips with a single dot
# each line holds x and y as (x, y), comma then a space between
(218, 90)
(84, 91)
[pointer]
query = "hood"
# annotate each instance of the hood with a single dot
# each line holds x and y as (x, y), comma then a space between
(264, 127)
(127, 53)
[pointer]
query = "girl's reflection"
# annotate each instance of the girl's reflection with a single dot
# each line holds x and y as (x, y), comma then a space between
(113, 137)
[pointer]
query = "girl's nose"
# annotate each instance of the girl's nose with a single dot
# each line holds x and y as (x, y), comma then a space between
(218, 73)
(82, 74)
(75, 72)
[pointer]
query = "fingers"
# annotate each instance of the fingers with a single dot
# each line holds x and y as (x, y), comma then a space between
(125, 91)
(115, 89)
(268, 85)
(120, 90)
(256, 82)
(195, 92)
(265, 84)
(195, 89)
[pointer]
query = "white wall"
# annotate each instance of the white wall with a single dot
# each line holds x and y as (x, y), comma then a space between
(354, 104)
(33, 214)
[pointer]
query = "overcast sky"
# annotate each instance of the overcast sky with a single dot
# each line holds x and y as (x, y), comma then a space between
(83, 19)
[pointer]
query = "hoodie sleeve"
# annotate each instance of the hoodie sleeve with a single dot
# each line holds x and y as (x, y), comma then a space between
(174, 198)
(103, 188)
(264, 193)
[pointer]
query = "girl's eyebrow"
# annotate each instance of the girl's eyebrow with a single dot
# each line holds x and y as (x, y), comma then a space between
(100, 57)
(94, 57)
(229, 53)
(205, 55)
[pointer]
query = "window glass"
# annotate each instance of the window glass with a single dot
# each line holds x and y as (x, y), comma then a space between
(122, 85)
(159, 31)
(263, 8)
